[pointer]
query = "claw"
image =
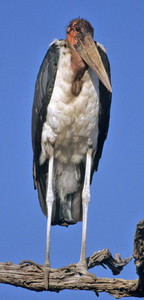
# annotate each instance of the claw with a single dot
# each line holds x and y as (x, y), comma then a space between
(45, 268)
(82, 270)
(30, 262)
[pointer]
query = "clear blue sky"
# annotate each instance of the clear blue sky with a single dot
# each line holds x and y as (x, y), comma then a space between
(26, 29)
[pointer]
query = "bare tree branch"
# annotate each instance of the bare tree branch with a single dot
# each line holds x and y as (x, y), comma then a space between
(31, 276)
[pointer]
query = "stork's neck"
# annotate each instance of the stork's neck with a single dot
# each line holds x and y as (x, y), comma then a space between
(78, 67)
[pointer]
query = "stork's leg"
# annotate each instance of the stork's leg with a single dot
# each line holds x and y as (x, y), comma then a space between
(49, 203)
(82, 265)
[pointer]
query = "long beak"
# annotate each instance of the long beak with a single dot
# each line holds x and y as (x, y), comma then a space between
(89, 52)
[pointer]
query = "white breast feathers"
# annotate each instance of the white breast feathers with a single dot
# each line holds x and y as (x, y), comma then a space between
(71, 120)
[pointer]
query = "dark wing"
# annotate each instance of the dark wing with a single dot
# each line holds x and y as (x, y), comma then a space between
(43, 91)
(104, 111)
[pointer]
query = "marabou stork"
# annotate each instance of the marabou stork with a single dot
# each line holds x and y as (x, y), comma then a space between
(70, 119)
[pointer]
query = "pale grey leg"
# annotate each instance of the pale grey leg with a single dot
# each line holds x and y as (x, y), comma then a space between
(49, 203)
(82, 265)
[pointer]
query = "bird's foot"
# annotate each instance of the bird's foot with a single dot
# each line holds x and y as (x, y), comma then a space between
(45, 268)
(83, 270)
(23, 263)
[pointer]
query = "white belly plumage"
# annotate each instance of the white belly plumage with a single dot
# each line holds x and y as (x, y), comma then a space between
(71, 120)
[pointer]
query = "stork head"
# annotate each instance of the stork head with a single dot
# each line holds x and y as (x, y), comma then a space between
(80, 38)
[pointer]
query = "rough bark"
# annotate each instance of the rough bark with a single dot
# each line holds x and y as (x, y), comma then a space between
(31, 276)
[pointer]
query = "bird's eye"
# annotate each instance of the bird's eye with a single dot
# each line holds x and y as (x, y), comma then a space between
(78, 29)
